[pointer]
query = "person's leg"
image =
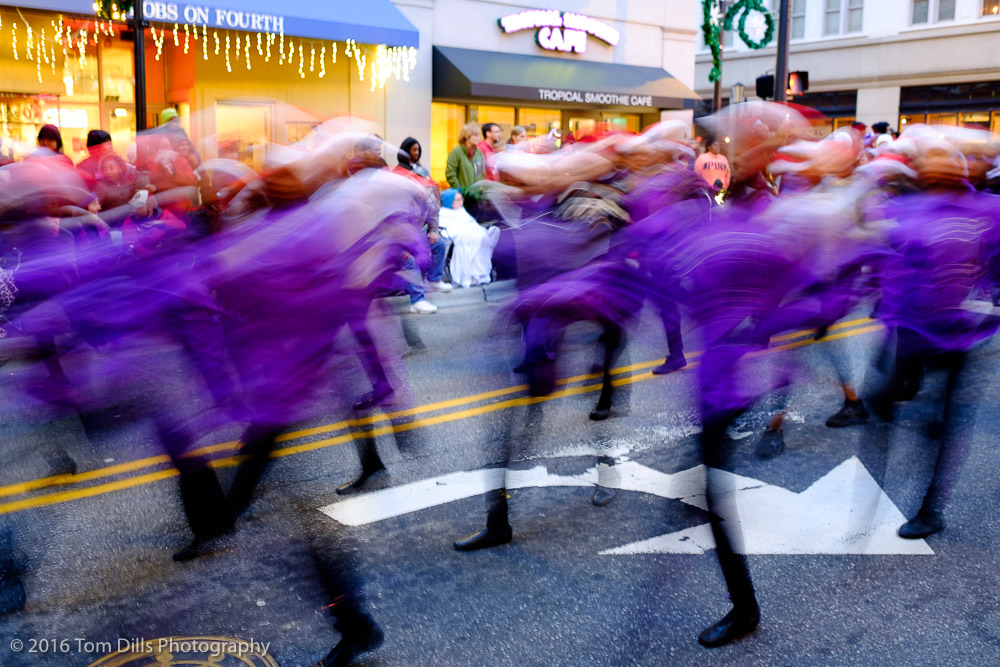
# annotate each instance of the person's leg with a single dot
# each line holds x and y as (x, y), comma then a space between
(207, 511)
(258, 442)
(439, 253)
(613, 342)
(720, 495)
(497, 530)
(952, 448)
(414, 289)
(371, 463)
(671, 317)
(372, 363)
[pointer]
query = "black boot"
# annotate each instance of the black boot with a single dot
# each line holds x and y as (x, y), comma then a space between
(603, 496)
(852, 414)
(927, 522)
(357, 638)
(771, 444)
(371, 466)
(358, 482)
(486, 538)
(497, 530)
(672, 363)
(738, 622)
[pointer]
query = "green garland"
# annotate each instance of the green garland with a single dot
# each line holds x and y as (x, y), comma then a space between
(712, 28)
(105, 10)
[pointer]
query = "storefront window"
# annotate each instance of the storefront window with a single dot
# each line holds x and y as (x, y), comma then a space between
(116, 72)
(80, 80)
(991, 7)
(942, 119)
(622, 122)
(243, 131)
(974, 118)
(502, 116)
(538, 122)
(446, 121)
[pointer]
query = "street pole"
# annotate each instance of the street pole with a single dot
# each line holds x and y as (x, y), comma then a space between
(139, 56)
(717, 97)
(781, 67)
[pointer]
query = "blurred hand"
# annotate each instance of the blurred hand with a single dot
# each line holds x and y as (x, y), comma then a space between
(433, 237)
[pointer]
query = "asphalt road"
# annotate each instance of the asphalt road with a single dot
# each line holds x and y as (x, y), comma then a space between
(835, 586)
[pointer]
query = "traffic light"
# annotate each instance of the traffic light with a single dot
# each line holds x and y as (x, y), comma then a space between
(798, 83)
(765, 86)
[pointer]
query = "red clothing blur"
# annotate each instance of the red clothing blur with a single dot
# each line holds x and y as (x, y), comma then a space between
(432, 188)
(486, 148)
(88, 166)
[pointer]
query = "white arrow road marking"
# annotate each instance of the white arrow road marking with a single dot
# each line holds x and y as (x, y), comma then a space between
(844, 512)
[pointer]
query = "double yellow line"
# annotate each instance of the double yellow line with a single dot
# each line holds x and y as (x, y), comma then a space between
(381, 425)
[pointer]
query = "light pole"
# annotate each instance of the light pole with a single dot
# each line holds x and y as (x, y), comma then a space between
(781, 67)
(139, 57)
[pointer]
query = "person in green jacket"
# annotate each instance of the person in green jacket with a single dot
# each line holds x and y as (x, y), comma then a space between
(466, 164)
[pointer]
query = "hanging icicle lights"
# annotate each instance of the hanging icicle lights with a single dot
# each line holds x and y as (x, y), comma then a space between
(25, 36)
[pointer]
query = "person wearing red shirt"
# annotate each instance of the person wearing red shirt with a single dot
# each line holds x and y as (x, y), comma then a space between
(491, 137)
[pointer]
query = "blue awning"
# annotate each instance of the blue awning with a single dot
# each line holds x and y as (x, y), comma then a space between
(364, 21)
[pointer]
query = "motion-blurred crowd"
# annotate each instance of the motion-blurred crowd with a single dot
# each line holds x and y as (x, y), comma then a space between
(252, 275)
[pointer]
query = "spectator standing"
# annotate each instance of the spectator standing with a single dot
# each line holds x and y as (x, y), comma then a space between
(98, 145)
(50, 144)
(408, 158)
(713, 167)
(518, 135)
(491, 138)
(466, 164)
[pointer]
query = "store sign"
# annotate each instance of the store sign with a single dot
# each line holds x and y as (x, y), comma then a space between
(560, 31)
(212, 16)
(589, 97)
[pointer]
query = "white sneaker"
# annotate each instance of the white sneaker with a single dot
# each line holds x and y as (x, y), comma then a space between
(424, 307)
(440, 286)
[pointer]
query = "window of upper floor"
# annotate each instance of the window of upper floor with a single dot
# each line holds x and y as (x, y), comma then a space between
(931, 11)
(842, 16)
(991, 7)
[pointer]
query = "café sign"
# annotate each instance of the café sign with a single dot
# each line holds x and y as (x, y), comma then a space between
(590, 97)
(560, 31)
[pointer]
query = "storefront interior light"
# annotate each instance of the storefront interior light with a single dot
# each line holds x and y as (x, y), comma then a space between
(75, 36)
(120, 112)
(728, 140)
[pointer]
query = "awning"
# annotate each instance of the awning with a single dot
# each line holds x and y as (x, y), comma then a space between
(366, 22)
(465, 73)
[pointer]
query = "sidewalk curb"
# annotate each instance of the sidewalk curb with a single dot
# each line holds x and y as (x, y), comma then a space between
(468, 296)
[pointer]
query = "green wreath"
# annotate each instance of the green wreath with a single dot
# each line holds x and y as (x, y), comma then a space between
(713, 31)
(748, 6)
(124, 8)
